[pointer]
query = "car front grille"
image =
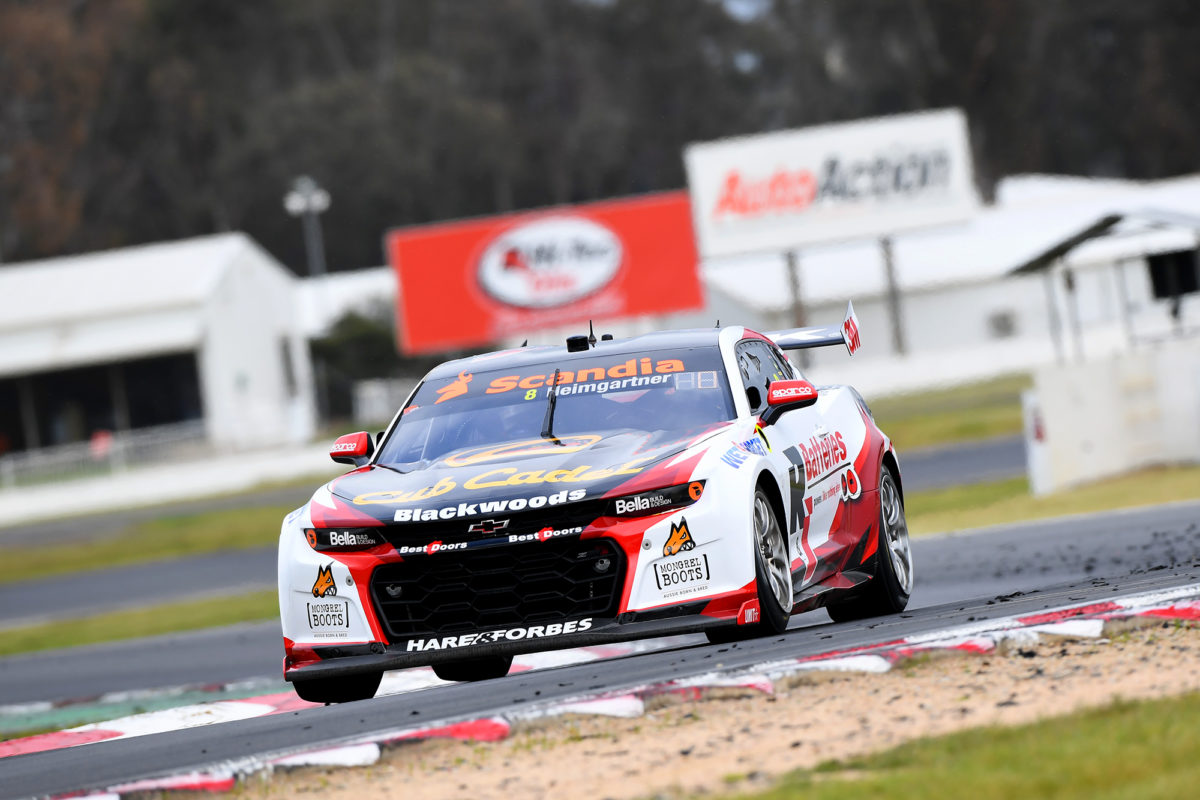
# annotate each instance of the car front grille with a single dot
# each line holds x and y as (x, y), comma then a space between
(498, 587)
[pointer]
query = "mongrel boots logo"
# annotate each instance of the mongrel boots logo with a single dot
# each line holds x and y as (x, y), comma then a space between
(550, 262)
(888, 176)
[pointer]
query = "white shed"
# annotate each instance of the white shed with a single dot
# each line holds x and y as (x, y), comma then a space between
(200, 332)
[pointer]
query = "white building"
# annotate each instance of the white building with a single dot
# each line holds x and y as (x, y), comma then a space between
(965, 312)
(196, 335)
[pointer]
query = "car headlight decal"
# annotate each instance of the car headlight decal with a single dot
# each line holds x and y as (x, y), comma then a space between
(658, 501)
(343, 539)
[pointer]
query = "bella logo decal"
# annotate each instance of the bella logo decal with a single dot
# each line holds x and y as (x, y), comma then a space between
(679, 540)
(455, 389)
(325, 585)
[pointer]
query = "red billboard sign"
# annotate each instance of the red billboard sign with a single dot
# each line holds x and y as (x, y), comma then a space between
(469, 283)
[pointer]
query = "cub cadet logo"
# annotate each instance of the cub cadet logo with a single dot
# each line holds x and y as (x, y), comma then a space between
(632, 368)
(492, 637)
(488, 507)
(431, 548)
(502, 477)
(325, 585)
(679, 540)
(545, 534)
(529, 447)
(455, 389)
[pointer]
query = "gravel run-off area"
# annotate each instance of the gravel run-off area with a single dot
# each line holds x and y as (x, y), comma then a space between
(741, 740)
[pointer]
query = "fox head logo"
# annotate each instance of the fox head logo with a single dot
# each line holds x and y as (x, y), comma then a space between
(325, 586)
(679, 540)
(456, 389)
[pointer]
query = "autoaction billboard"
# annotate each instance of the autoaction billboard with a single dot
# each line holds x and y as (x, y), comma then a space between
(874, 177)
(468, 283)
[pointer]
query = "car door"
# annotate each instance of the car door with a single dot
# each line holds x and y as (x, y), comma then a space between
(814, 454)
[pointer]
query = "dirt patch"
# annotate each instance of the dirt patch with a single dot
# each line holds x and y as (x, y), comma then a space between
(735, 742)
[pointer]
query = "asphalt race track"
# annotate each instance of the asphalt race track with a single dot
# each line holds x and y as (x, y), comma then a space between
(963, 578)
(997, 561)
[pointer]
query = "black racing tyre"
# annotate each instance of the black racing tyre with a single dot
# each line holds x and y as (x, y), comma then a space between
(773, 578)
(889, 590)
(343, 689)
(475, 669)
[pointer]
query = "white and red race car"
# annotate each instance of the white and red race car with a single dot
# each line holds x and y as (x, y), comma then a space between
(551, 497)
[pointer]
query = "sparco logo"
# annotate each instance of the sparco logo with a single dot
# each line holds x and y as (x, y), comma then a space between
(792, 391)
(549, 262)
(888, 176)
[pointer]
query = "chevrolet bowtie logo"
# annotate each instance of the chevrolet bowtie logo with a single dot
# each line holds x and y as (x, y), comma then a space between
(488, 526)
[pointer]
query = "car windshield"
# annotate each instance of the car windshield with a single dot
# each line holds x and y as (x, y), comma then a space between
(664, 390)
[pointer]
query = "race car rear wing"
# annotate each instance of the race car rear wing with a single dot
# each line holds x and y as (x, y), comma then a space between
(821, 335)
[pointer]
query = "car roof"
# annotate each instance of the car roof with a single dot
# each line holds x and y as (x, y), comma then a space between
(557, 355)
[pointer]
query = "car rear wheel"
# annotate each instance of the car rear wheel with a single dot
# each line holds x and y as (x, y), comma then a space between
(343, 689)
(889, 590)
(773, 576)
(475, 669)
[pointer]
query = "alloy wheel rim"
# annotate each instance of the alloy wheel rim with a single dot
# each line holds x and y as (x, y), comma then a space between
(895, 531)
(774, 554)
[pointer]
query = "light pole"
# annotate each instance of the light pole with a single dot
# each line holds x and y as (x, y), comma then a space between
(307, 200)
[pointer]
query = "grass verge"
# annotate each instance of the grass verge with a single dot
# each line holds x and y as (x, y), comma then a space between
(169, 618)
(1008, 501)
(1127, 750)
(961, 413)
(167, 537)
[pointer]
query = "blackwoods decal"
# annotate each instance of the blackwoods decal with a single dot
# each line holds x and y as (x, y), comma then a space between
(488, 507)
(325, 585)
(492, 637)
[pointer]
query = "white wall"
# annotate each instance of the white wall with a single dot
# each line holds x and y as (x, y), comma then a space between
(247, 401)
(1115, 414)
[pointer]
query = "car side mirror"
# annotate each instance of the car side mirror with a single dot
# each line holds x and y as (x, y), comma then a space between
(353, 448)
(787, 395)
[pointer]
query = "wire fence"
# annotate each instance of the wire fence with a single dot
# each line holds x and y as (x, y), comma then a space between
(105, 454)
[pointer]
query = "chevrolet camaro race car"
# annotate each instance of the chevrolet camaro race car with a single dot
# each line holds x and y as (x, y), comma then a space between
(552, 497)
